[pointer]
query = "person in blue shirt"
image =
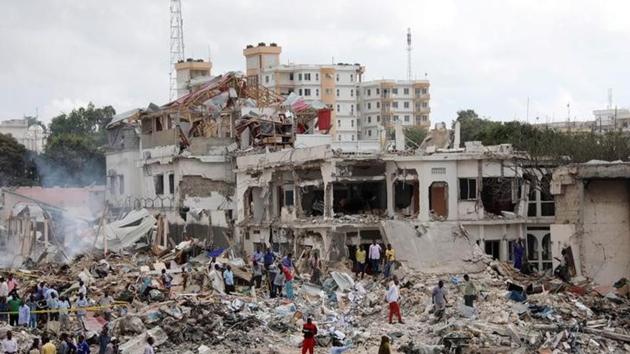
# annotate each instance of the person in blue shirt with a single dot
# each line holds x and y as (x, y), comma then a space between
(518, 254)
(268, 258)
(83, 347)
(287, 261)
(258, 256)
(228, 278)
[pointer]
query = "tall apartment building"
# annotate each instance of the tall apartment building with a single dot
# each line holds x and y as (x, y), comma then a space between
(333, 84)
(359, 108)
(384, 102)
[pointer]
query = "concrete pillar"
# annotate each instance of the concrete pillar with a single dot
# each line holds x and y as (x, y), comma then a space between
(328, 200)
(46, 234)
(389, 182)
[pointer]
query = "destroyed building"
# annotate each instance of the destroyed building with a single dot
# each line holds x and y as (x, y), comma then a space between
(593, 218)
(333, 200)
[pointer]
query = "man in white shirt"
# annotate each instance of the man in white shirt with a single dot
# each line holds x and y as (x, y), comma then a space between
(4, 288)
(9, 345)
(374, 256)
(392, 296)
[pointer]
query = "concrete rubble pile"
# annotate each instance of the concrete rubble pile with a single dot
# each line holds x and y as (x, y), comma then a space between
(514, 313)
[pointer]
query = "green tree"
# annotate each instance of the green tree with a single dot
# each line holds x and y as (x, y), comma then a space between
(74, 151)
(415, 135)
(15, 165)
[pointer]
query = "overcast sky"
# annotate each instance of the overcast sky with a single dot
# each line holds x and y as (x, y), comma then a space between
(486, 55)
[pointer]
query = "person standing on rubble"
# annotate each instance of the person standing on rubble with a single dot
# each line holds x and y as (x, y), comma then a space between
(82, 288)
(374, 255)
(9, 345)
(167, 282)
(64, 318)
(258, 256)
(32, 306)
(148, 348)
(287, 261)
(360, 256)
(66, 345)
(24, 315)
(103, 340)
(48, 347)
(470, 291)
(228, 278)
(257, 273)
(4, 294)
(81, 304)
(272, 272)
(438, 297)
(112, 347)
(278, 282)
(390, 257)
(34, 347)
(106, 303)
(310, 331)
(269, 258)
(391, 297)
(13, 305)
(384, 348)
(12, 284)
(216, 280)
(316, 268)
(52, 304)
(519, 250)
(83, 347)
(288, 282)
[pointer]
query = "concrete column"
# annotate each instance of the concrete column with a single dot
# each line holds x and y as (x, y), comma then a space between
(328, 200)
(46, 234)
(389, 182)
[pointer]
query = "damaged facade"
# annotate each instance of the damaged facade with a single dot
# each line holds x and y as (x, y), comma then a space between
(593, 218)
(333, 201)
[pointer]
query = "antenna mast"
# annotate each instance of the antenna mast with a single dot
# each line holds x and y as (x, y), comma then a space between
(409, 54)
(177, 44)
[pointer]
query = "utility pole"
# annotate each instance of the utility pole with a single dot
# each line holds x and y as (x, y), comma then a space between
(177, 45)
(409, 75)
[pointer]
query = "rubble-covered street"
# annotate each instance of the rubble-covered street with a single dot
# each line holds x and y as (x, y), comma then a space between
(555, 317)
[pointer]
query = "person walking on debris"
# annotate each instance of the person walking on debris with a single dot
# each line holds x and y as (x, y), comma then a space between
(310, 331)
(438, 297)
(374, 255)
(64, 317)
(185, 275)
(228, 277)
(9, 345)
(287, 261)
(518, 254)
(391, 297)
(83, 347)
(216, 280)
(288, 282)
(390, 257)
(257, 273)
(360, 256)
(148, 348)
(24, 315)
(81, 303)
(384, 348)
(470, 291)
(167, 282)
(82, 288)
(316, 268)
(258, 256)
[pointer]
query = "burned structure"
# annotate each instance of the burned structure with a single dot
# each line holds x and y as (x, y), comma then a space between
(333, 199)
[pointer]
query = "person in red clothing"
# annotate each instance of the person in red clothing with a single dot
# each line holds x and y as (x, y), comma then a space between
(309, 330)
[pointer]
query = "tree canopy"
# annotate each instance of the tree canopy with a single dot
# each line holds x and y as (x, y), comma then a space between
(74, 151)
(542, 142)
(15, 166)
(415, 134)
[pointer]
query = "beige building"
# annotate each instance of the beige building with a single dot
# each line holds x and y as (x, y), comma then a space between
(383, 103)
(336, 85)
(191, 74)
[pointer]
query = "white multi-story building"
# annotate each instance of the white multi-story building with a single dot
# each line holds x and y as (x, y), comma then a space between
(332, 84)
(384, 102)
(359, 108)
(32, 137)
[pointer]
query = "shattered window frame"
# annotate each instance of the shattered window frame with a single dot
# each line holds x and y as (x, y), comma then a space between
(470, 186)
